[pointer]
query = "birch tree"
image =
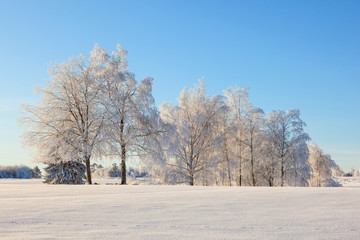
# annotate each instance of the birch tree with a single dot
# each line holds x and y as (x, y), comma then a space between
(268, 164)
(321, 164)
(237, 101)
(227, 147)
(286, 133)
(131, 115)
(253, 121)
(67, 122)
(195, 121)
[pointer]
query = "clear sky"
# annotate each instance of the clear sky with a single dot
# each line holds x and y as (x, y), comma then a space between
(291, 54)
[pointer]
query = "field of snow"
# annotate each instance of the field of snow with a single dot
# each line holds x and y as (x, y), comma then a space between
(32, 210)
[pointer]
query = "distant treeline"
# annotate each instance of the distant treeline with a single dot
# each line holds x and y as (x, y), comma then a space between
(21, 171)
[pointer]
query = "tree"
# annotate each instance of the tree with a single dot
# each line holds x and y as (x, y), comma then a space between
(131, 115)
(300, 171)
(286, 134)
(322, 166)
(237, 102)
(268, 165)
(226, 148)
(114, 171)
(253, 121)
(69, 172)
(195, 121)
(67, 122)
(36, 172)
(95, 167)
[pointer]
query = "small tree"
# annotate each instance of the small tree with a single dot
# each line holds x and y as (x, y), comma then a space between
(95, 167)
(114, 171)
(322, 166)
(36, 172)
(70, 172)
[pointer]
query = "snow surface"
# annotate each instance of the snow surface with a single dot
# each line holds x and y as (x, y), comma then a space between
(30, 209)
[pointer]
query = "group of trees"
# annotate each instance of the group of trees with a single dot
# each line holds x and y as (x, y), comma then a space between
(226, 140)
(91, 108)
(95, 108)
(23, 172)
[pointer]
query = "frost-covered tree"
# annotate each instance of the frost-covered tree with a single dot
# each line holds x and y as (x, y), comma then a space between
(252, 138)
(237, 102)
(195, 121)
(36, 172)
(268, 163)
(300, 169)
(286, 134)
(322, 165)
(69, 172)
(68, 120)
(115, 171)
(131, 115)
(227, 155)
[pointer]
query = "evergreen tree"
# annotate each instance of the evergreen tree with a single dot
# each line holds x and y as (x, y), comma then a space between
(114, 171)
(36, 172)
(71, 172)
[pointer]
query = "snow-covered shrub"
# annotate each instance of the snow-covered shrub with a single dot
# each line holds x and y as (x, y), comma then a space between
(71, 172)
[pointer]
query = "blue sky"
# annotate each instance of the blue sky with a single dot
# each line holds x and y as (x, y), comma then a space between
(291, 54)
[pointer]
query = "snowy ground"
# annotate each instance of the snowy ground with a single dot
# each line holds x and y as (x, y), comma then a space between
(32, 210)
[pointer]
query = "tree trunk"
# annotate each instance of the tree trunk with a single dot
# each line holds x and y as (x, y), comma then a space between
(123, 153)
(229, 173)
(271, 182)
(223, 175)
(253, 175)
(282, 173)
(191, 180)
(240, 166)
(88, 172)
(228, 167)
(123, 164)
(240, 174)
(252, 164)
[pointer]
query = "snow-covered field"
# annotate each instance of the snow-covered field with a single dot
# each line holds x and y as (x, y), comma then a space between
(32, 210)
